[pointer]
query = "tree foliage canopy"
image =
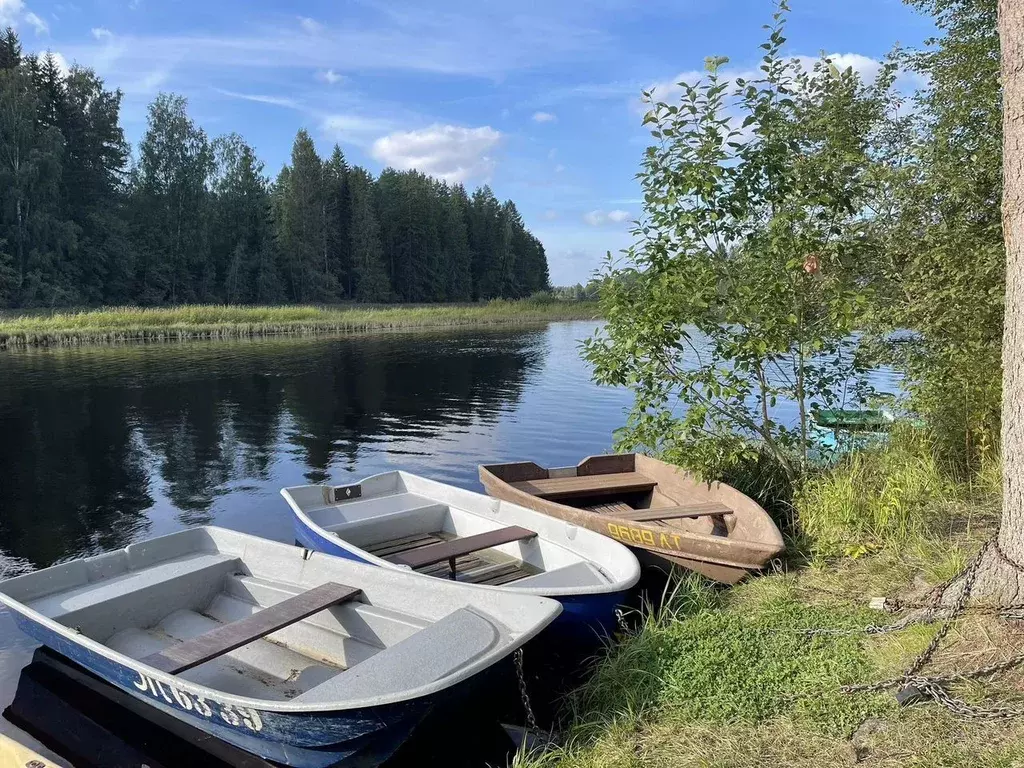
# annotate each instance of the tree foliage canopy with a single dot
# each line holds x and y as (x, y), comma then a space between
(745, 283)
(194, 219)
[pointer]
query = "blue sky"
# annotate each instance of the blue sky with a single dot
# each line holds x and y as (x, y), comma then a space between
(538, 98)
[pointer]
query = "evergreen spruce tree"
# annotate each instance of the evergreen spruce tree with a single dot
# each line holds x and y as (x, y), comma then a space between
(336, 221)
(370, 275)
(302, 237)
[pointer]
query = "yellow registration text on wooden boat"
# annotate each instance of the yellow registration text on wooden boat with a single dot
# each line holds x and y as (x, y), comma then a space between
(643, 536)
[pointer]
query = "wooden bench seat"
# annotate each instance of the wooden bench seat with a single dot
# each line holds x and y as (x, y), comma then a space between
(450, 550)
(587, 485)
(705, 509)
(228, 637)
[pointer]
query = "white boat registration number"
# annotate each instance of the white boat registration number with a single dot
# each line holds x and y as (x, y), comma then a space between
(210, 709)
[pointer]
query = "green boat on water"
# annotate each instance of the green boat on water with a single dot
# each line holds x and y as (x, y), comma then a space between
(855, 419)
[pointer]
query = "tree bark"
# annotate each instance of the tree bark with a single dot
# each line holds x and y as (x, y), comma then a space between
(1001, 573)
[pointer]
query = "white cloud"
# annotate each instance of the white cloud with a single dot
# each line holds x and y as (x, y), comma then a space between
(310, 26)
(549, 215)
(10, 12)
(148, 83)
(552, 154)
(670, 90)
(544, 117)
(62, 63)
(329, 76)
(449, 152)
(354, 129)
(277, 101)
(599, 218)
(864, 66)
(559, 168)
(463, 38)
(39, 24)
(102, 33)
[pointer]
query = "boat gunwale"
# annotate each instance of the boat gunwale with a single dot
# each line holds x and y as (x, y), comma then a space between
(611, 587)
(475, 666)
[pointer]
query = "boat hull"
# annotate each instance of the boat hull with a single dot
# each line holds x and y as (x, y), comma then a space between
(723, 555)
(358, 737)
(582, 616)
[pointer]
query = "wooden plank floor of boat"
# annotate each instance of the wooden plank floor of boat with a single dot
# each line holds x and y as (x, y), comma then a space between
(471, 568)
(610, 508)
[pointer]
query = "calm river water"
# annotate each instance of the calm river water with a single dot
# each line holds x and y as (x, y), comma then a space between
(101, 446)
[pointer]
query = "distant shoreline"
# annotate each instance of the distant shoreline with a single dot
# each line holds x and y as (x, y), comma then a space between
(184, 323)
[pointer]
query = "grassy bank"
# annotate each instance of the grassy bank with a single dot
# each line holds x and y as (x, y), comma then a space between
(135, 324)
(729, 677)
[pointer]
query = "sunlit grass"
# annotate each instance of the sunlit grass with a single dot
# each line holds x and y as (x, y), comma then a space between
(126, 324)
(899, 497)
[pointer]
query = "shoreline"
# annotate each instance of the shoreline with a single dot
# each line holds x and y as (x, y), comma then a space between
(134, 325)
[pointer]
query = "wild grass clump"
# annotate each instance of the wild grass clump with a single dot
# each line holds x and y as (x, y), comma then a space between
(127, 324)
(698, 660)
(893, 496)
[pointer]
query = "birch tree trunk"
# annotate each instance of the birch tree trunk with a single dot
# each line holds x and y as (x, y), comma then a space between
(1001, 572)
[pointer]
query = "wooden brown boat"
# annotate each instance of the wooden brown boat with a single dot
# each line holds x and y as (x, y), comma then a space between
(665, 513)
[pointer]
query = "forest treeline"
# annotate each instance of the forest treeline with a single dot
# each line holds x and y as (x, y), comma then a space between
(84, 221)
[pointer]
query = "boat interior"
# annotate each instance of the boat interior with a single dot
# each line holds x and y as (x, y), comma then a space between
(382, 516)
(262, 621)
(611, 485)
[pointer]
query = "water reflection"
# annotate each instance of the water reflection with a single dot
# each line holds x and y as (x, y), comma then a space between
(98, 443)
(104, 445)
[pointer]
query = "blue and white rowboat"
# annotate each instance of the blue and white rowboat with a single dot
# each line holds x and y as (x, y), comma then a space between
(355, 658)
(398, 520)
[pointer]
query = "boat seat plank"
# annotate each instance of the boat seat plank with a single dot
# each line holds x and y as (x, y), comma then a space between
(450, 550)
(588, 485)
(705, 509)
(228, 637)
(504, 578)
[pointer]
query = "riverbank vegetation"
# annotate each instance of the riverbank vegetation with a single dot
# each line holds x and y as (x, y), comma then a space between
(752, 675)
(123, 324)
(783, 210)
(190, 219)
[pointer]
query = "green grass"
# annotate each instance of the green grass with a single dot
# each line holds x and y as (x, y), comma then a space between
(134, 324)
(708, 657)
(897, 496)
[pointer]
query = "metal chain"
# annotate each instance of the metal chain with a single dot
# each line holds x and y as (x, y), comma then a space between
(620, 621)
(969, 574)
(935, 687)
(531, 721)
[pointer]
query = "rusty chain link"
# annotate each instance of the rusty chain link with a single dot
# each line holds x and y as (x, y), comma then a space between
(935, 687)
